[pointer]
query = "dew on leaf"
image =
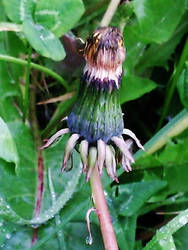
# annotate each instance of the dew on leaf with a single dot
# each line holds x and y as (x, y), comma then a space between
(8, 236)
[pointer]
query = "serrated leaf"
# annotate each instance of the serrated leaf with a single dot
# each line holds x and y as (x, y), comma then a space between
(43, 40)
(64, 184)
(133, 87)
(182, 86)
(158, 18)
(60, 16)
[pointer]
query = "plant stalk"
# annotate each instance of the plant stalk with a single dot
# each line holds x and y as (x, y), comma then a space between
(35, 66)
(112, 7)
(40, 161)
(99, 200)
(107, 230)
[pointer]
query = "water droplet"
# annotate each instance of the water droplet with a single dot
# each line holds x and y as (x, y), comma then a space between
(105, 193)
(162, 242)
(8, 236)
(1, 223)
(89, 240)
(183, 220)
(12, 81)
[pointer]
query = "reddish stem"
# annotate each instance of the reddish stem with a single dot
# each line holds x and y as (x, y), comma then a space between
(40, 163)
(40, 187)
(107, 230)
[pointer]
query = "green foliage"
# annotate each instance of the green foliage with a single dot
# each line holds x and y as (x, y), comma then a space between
(182, 86)
(132, 82)
(158, 19)
(43, 40)
(157, 58)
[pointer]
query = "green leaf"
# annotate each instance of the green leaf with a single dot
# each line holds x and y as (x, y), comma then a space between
(164, 242)
(174, 127)
(20, 238)
(134, 47)
(119, 225)
(15, 10)
(164, 234)
(59, 17)
(20, 195)
(182, 86)
(8, 150)
(6, 231)
(8, 87)
(18, 10)
(133, 196)
(181, 239)
(43, 40)
(79, 232)
(134, 87)
(176, 177)
(164, 50)
(175, 153)
(130, 231)
(9, 214)
(158, 18)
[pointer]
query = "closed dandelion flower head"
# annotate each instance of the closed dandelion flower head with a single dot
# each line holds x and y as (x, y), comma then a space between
(96, 120)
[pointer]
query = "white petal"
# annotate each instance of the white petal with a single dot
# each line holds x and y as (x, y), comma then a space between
(120, 143)
(92, 160)
(132, 135)
(126, 164)
(64, 118)
(54, 137)
(114, 163)
(109, 163)
(84, 153)
(101, 150)
(69, 148)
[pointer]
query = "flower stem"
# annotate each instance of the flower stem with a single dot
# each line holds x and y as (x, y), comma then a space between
(109, 13)
(107, 230)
